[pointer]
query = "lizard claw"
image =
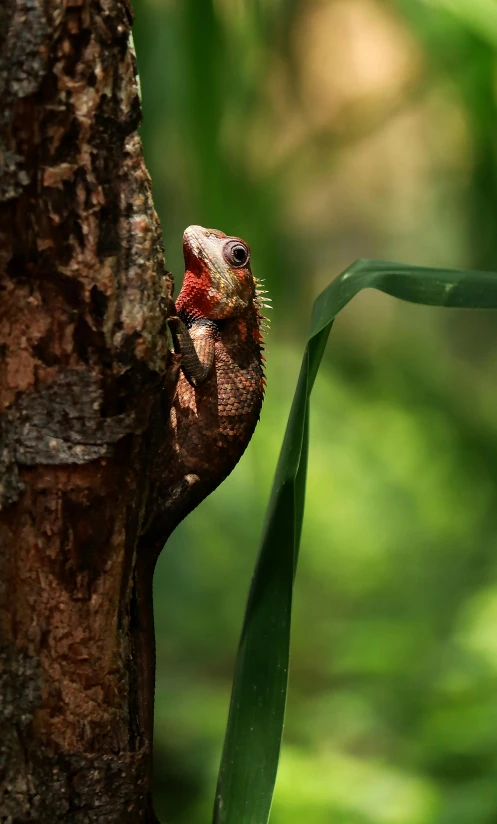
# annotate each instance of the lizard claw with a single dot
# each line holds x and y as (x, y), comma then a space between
(174, 323)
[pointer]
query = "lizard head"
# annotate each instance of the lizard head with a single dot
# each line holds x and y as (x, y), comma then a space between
(218, 279)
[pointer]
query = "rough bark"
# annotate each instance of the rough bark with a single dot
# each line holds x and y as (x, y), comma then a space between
(85, 378)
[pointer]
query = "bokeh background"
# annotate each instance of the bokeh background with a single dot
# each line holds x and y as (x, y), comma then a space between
(322, 131)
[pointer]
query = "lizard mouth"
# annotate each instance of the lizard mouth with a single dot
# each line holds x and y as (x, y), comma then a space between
(191, 246)
(202, 253)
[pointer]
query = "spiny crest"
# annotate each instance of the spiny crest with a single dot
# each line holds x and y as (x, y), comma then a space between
(262, 302)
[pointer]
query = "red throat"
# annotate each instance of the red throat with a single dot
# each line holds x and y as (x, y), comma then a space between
(195, 298)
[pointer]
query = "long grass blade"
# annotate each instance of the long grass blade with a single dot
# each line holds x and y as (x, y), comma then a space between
(255, 726)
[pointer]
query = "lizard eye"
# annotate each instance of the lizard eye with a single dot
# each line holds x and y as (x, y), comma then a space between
(236, 254)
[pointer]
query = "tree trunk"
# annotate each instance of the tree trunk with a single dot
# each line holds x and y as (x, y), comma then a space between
(85, 378)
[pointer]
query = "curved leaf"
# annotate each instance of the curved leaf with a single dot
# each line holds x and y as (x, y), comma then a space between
(255, 725)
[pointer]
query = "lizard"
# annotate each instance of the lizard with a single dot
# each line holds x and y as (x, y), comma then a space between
(217, 327)
(217, 330)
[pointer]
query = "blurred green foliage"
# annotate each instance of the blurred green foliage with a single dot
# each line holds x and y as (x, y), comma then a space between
(321, 132)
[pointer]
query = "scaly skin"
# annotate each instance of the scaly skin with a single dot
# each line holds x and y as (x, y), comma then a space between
(217, 331)
(216, 406)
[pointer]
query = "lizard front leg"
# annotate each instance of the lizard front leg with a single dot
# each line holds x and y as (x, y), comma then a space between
(196, 347)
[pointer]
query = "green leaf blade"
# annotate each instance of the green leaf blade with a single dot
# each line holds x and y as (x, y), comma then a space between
(455, 288)
(255, 726)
